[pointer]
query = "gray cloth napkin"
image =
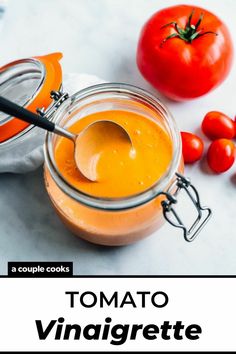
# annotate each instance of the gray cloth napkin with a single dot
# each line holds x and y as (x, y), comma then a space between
(27, 154)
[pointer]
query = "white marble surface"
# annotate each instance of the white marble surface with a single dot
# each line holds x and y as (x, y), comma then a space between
(99, 37)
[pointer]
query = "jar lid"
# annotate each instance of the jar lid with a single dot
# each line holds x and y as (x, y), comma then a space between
(28, 82)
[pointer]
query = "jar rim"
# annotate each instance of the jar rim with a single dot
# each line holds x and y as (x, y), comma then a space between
(133, 200)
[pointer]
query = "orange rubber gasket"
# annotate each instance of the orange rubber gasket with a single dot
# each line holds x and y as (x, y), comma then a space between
(52, 81)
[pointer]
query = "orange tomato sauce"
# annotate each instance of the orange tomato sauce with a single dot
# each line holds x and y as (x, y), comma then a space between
(120, 173)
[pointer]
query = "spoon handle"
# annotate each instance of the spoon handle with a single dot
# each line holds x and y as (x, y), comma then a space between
(14, 110)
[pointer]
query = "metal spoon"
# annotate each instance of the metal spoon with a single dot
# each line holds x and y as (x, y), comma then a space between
(86, 149)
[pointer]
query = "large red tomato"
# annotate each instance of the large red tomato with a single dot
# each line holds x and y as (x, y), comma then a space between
(184, 51)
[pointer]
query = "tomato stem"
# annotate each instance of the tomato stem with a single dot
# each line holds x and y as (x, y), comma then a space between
(190, 32)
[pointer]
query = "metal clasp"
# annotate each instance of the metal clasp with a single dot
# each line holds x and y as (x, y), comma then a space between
(58, 98)
(203, 213)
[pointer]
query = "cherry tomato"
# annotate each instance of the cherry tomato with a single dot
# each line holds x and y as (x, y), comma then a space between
(216, 125)
(221, 155)
(192, 147)
(184, 51)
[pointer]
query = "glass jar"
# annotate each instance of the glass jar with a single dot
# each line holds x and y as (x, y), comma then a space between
(120, 221)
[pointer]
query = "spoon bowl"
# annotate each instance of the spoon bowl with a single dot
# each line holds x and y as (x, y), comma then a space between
(89, 142)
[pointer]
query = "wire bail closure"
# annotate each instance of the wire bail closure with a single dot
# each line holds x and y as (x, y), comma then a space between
(203, 213)
(58, 98)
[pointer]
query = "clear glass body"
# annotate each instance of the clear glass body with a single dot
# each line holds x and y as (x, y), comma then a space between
(110, 221)
(20, 82)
